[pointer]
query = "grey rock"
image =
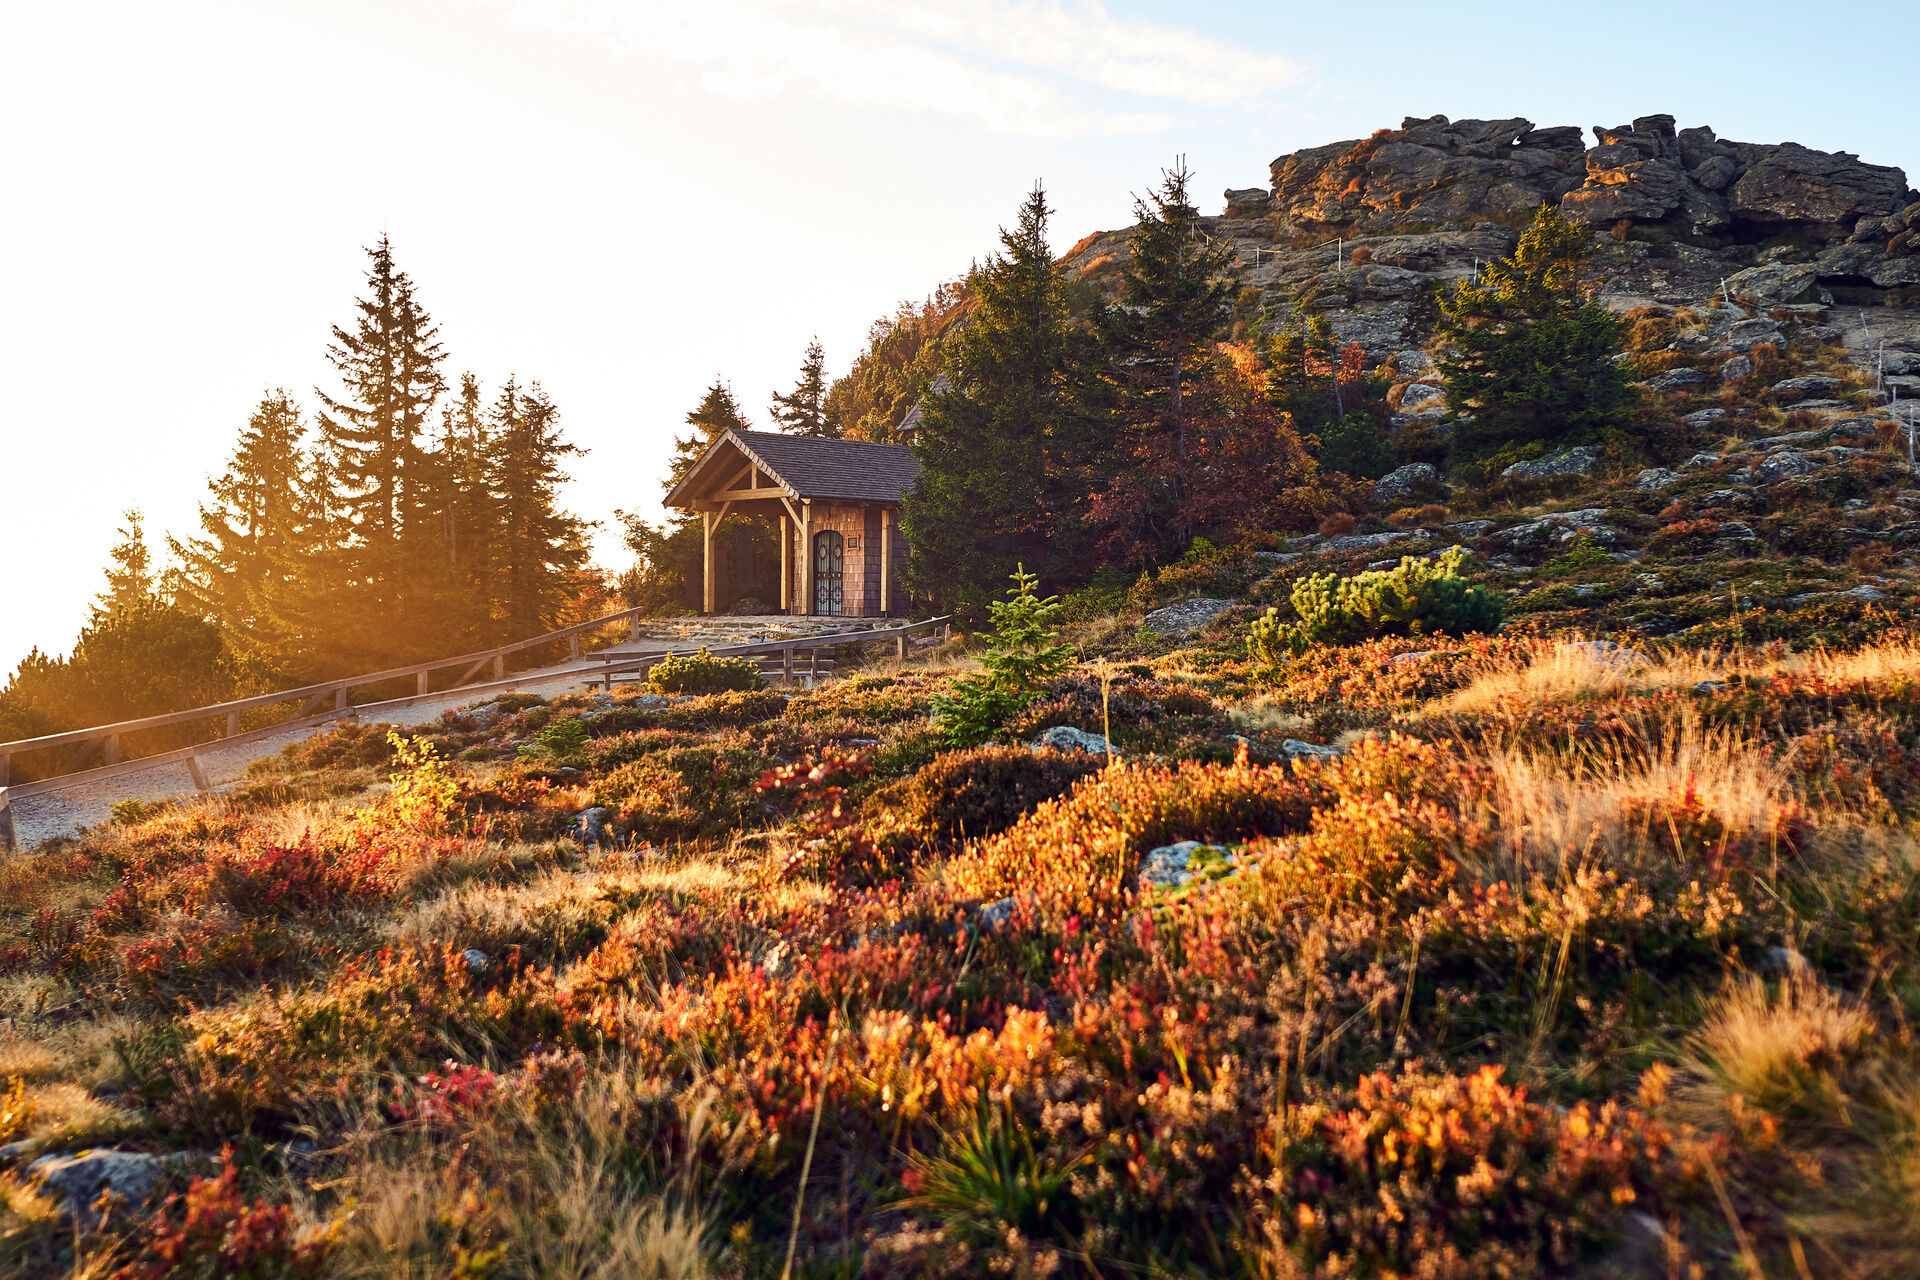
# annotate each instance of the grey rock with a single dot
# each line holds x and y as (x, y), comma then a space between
(1865, 592)
(1701, 461)
(1470, 528)
(1790, 183)
(1418, 655)
(1701, 417)
(1783, 960)
(1400, 484)
(475, 959)
(1709, 686)
(1417, 394)
(1657, 478)
(1735, 370)
(1186, 617)
(1744, 335)
(1812, 385)
(1678, 379)
(1368, 541)
(1294, 749)
(1062, 737)
(77, 1180)
(1783, 465)
(1769, 443)
(997, 915)
(1168, 867)
(1610, 653)
(1773, 285)
(1814, 406)
(590, 825)
(1574, 462)
(1412, 362)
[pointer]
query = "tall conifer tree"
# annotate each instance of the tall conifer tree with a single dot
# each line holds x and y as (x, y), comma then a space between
(1003, 448)
(389, 366)
(1178, 302)
(537, 549)
(253, 553)
(804, 411)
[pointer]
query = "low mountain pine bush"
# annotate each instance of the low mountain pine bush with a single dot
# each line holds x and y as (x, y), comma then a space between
(703, 673)
(1417, 597)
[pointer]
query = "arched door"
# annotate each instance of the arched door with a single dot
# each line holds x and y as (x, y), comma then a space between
(829, 573)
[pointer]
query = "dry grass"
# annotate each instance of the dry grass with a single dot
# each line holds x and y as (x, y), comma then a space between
(1262, 712)
(1769, 1049)
(566, 1202)
(1561, 671)
(1557, 808)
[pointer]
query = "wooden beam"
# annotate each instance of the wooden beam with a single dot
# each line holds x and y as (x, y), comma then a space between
(706, 562)
(198, 775)
(886, 566)
(806, 559)
(786, 564)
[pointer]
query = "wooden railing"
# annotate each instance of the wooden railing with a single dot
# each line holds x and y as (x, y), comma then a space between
(339, 691)
(612, 664)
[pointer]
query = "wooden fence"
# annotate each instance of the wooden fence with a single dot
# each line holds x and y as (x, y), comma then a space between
(340, 693)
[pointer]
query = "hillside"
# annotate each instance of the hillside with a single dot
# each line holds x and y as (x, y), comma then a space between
(1581, 947)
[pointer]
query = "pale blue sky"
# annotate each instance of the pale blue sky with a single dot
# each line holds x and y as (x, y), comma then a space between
(624, 200)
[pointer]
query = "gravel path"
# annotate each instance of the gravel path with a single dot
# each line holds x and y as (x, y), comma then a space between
(53, 813)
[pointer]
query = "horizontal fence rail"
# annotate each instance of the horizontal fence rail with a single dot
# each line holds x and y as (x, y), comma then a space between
(611, 664)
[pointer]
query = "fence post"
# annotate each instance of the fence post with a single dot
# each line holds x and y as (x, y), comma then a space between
(420, 685)
(573, 648)
(233, 723)
(786, 667)
(340, 698)
(900, 648)
(633, 627)
(199, 776)
(110, 749)
(6, 769)
(7, 844)
(499, 667)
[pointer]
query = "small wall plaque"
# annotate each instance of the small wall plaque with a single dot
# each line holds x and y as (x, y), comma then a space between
(853, 543)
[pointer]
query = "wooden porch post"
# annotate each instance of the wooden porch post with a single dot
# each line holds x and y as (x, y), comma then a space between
(806, 558)
(706, 561)
(786, 564)
(886, 561)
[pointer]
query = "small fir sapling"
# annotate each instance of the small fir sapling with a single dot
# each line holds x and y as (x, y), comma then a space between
(1025, 654)
(1416, 597)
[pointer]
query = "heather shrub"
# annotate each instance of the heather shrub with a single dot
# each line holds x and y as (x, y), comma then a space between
(1082, 850)
(1421, 1174)
(1418, 597)
(703, 673)
(965, 795)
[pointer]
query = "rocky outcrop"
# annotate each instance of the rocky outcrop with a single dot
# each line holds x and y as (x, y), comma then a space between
(1425, 173)
(1436, 172)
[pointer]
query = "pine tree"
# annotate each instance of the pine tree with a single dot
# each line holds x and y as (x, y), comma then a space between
(132, 587)
(803, 411)
(1003, 450)
(1533, 356)
(1178, 301)
(667, 556)
(538, 549)
(389, 366)
(252, 553)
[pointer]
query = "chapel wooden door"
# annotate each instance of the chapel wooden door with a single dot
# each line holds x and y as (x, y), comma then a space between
(829, 573)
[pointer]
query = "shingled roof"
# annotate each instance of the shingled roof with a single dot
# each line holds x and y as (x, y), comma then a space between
(815, 467)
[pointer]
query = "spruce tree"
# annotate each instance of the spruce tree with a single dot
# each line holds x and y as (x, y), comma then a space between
(538, 548)
(1004, 448)
(389, 367)
(803, 411)
(252, 551)
(1533, 357)
(1178, 300)
(132, 587)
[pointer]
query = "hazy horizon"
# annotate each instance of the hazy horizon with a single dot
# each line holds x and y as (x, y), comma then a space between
(625, 201)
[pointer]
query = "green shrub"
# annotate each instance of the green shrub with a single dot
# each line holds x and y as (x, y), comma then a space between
(1023, 657)
(565, 737)
(1418, 597)
(1353, 445)
(703, 673)
(1585, 553)
(126, 813)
